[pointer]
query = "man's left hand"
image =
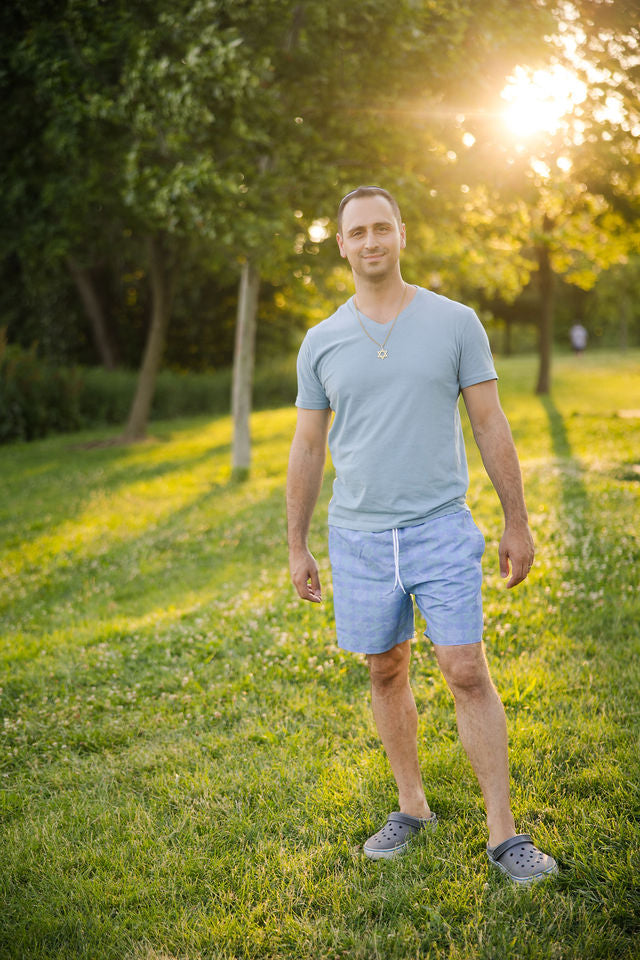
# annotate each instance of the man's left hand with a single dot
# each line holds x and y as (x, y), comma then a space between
(516, 551)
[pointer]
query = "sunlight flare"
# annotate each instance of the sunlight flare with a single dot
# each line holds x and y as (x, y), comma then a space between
(537, 101)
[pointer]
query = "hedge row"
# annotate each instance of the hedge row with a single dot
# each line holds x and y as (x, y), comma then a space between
(38, 398)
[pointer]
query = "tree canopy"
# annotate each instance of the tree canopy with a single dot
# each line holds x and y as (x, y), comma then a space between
(156, 153)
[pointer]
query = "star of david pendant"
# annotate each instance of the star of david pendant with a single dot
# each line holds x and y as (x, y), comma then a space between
(382, 354)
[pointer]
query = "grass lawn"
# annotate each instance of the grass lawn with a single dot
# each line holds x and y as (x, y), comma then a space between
(188, 764)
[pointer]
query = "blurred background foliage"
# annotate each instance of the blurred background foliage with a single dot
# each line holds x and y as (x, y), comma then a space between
(225, 131)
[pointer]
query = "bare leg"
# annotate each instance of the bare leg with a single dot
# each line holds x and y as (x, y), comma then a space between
(394, 711)
(483, 731)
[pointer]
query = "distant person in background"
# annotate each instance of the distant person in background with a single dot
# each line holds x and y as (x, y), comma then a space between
(579, 337)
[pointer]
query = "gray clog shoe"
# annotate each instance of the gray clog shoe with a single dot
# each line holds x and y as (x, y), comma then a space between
(393, 839)
(521, 861)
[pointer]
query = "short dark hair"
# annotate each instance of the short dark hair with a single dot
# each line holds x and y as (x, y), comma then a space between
(369, 192)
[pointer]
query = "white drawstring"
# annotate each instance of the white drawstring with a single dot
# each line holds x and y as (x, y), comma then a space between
(396, 557)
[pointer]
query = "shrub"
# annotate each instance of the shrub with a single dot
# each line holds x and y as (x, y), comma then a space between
(275, 385)
(37, 398)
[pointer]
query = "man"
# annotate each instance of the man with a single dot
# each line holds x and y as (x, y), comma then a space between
(390, 364)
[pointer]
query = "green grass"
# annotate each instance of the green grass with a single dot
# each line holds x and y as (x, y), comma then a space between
(188, 765)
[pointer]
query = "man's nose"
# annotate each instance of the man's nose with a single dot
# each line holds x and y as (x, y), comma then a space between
(371, 240)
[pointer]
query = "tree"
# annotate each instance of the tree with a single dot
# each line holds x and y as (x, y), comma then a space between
(82, 277)
(325, 130)
(180, 90)
(613, 309)
(568, 191)
(135, 141)
(57, 178)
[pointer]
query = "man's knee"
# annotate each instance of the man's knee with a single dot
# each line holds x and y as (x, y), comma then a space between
(465, 669)
(389, 668)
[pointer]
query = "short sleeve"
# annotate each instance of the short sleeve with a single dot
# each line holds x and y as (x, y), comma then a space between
(476, 362)
(311, 395)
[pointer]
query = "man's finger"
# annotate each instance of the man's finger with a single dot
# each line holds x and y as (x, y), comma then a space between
(519, 572)
(310, 594)
(316, 590)
(504, 562)
(308, 587)
(515, 579)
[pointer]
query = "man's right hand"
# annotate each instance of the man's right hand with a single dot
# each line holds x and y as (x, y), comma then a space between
(305, 577)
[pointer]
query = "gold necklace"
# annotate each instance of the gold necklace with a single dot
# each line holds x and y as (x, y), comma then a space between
(383, 353)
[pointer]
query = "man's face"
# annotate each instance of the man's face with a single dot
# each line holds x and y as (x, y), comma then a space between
(371, 239)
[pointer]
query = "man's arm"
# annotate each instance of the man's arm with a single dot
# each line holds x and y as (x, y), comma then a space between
(493, 436)
(304, 479)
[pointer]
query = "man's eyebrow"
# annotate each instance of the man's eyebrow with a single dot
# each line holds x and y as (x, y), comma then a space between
(361, 226)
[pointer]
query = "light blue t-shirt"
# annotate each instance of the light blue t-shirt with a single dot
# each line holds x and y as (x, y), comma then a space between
(396, 438)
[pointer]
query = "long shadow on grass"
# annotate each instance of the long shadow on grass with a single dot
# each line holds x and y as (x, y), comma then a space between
(250, 817)
(572, 487)
(97, 474)
(91, 471)
(196, 545)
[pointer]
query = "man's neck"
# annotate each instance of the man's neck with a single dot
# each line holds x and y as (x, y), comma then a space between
(380, 299)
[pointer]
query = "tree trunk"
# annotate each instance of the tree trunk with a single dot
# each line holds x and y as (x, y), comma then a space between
(508, 340)
(93, 307)
(546, 280)
(161, 296)
(624, 324)
(243, 361)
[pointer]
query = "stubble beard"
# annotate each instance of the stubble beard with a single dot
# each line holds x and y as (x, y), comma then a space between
(381, 270)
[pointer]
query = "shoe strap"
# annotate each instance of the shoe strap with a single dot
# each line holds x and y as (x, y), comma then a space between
(506, 845)
(409, 821)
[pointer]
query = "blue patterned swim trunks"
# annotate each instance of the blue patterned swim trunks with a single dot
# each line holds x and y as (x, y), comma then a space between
(375, 575)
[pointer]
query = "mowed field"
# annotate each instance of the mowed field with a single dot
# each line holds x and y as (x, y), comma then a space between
(188, 763)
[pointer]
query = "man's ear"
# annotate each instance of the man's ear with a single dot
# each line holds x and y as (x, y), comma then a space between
(403, 236)
(340, 245)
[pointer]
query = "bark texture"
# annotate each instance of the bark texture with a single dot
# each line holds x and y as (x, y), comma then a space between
(161, 296)
(243, 363)
(507, 347)
(546, 280)
(93, 308)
